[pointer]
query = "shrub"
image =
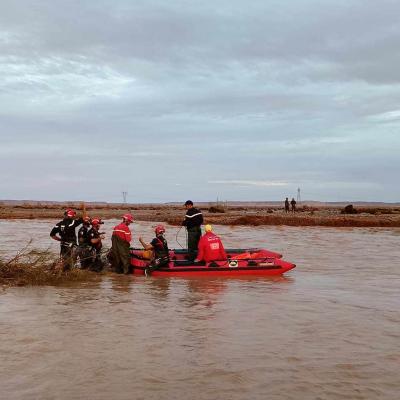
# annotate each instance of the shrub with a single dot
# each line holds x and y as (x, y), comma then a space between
(349, 209)
(217, 209)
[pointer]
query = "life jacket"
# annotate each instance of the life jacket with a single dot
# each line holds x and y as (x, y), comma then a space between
(160, 247)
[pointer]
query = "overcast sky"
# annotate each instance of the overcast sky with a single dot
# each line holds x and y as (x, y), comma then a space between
(170, 100)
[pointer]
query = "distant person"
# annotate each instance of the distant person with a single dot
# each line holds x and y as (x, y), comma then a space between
(159, 246)
(193, 220)
(64, 232)
(210, 247)
(95, 240)
(121, 239)
(287, 205)
(84, 243)
(293, 203)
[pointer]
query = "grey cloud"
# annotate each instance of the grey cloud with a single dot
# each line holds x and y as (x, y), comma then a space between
(304, 92)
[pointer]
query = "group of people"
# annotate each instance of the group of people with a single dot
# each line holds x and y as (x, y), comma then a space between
(89, 243)
(87, 246)
(291, 203)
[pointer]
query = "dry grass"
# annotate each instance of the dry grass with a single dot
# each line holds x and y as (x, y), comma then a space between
(32, 267)
(308, 220)
(232, 215)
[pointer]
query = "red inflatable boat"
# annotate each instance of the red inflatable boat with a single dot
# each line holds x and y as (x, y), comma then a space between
(240, 262)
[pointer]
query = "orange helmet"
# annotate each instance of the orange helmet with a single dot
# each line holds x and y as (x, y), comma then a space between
(86, 219)
(159, 229)
(128, 217)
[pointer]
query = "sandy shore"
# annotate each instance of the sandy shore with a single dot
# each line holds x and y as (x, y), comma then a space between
(366, 216)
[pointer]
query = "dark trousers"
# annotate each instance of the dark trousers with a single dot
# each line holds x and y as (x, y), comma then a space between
(97, 264)
(194, 235)
(121, 255)
(85, 256)
(68, 255)
(158, 263)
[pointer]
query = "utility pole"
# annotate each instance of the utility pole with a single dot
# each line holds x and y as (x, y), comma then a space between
(124, 194)
(298, 196)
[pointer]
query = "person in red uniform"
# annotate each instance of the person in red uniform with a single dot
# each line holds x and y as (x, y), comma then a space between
(121, 239)
(210, 247)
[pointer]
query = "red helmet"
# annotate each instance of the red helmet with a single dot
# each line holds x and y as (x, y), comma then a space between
(96, 221)
(128, 217)
(70, 213)
(159, 229)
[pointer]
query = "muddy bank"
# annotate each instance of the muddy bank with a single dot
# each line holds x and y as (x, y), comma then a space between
(226, 215)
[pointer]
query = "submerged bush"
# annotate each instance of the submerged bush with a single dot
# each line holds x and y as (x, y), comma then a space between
(37, 267)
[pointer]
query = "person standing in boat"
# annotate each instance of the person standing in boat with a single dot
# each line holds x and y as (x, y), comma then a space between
(95, 239)
(121, 239)
(210, 247)
(192, 222)
(64, 232)
(159, 246)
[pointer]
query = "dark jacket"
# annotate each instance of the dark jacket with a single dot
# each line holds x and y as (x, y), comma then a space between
(193, 218)
(160, 246)
(66, 229)
(95, 234)
(83, 239)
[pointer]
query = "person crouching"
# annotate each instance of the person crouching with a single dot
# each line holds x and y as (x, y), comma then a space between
(210, 247)
(159, 246)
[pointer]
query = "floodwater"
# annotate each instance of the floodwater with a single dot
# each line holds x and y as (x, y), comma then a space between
(330, 329)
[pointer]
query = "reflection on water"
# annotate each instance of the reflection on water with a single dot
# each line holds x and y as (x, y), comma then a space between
(329, 329)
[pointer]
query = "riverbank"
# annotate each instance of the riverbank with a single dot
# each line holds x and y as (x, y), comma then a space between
(252, 215)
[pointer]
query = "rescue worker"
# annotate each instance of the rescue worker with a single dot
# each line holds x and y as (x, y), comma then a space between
(64, 232)
(159, 246)
(210, 247)
(193, 220)
(121, 239)
(95, 239)
(84, 243)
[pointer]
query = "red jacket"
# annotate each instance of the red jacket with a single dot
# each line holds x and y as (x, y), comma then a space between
(211, 248)
(123, 232)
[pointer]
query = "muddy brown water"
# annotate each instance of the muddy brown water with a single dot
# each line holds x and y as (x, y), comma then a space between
(330, 329)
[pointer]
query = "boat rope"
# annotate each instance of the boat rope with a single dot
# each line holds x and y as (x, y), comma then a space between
(176, 237)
